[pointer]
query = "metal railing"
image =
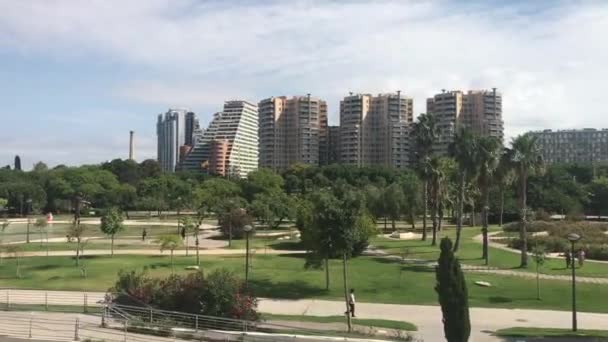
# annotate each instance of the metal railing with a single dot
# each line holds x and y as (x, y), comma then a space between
(63, 315)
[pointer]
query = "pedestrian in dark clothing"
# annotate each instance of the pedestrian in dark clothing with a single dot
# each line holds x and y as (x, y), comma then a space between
(568, 259)
(144, 234)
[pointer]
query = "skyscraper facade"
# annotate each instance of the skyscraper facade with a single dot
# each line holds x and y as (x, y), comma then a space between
(374, 130)
(292, 130)
(583, 146)
(192, 126)
(229, 146)
(333, 145)
(480, 111)
(171, 135)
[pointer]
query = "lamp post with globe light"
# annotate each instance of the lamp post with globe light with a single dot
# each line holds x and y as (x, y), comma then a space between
(573, 238)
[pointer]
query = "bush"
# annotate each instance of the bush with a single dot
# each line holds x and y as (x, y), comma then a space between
(220, 294)
(531, 227)
(542, 215)
(597, 252)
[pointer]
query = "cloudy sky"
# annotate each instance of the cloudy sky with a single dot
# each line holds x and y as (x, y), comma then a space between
(76, 76)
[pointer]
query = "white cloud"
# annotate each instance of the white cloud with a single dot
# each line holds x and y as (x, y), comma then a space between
(548, 63)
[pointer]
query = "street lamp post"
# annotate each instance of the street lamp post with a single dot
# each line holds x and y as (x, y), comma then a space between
(573, 238)
(247, 229)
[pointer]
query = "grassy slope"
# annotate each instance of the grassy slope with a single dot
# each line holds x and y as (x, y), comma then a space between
(470, 253)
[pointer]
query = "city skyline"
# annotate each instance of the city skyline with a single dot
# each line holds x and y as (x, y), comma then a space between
(83, 76)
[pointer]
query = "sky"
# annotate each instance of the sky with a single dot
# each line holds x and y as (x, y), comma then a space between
(76, 76)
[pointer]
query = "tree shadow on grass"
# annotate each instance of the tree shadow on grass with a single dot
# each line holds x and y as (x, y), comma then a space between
(44, 267)
(418, 269)
(287, 246)
(499, 300)
(284, 290)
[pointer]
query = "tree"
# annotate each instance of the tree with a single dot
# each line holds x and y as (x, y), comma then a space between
(40, 167)
(526, 159)
(76, 231)
(170, 242)
(410, 185)
(190, 228)
(539, 254)
(503, 176)
(111, 224)
(462, 149)
(272, 208)
(437, 178)
(261, 181)
(487, 159)
(394, 199)
(451, 289)
(42, 224)
(339, 224)
(17, 163)
(15, 250)
(425, 135)
(233, 219)
(3, 226)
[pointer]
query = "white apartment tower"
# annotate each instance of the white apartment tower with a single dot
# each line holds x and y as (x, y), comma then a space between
(292, 130)
(374, 130)
(229, 146)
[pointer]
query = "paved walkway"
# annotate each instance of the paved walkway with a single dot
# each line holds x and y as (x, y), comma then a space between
(428, 318)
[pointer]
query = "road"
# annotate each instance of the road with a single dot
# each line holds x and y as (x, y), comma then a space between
(428, 318)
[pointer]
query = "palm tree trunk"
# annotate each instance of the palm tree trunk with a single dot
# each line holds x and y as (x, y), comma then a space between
(459, 213)
(484, 221)
(502, 206)
(78, 252)
(393, 224)
(385, 222)
(198, 261)
(348, 320)
(523, 233)
(187, 246)
(413, 220)
(440, 218)
(172, 268)
(426, 208)
(326, 274)
(434, 217)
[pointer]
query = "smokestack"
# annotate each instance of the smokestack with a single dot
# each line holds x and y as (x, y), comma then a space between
(131, 133)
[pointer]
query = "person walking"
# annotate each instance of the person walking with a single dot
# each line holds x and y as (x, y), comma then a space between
(568, 259)
(351, 302)
(581, 257)
(144, 233)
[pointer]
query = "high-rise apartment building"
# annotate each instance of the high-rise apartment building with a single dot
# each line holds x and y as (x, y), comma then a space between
(333, 145)
(292, 130)
(171, 135)
(583, 146)
(229, 146)
(192, 126)
(479, 111)
(374, 130)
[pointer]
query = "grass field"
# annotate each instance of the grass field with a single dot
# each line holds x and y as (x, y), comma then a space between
(377, 323)
(548, 332)
(284, 276)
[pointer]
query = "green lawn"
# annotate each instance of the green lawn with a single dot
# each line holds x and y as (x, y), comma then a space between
(284, 276)
(377, 323)
(470, 253)
(550, 332)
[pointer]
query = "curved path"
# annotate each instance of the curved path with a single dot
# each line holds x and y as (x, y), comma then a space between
(484, 321)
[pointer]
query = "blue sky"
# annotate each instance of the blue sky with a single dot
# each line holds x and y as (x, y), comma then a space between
(78, 75)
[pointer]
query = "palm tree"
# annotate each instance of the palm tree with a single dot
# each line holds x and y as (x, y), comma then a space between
(436, 185)
(462, 149)
(487, 158)
(526, 160)
(170, 242)
(425, 133)
(503, 176)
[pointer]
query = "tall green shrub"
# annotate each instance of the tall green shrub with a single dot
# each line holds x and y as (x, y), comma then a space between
(453, 298)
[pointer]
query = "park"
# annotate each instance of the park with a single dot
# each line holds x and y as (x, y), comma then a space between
(290, 245)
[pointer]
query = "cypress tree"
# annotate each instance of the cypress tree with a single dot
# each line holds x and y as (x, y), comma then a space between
(453, 298)
(17, 163)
